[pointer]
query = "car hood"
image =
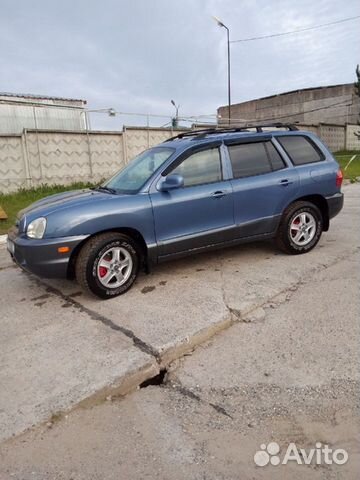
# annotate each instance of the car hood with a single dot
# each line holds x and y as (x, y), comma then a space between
(59, 201)
(86, 212)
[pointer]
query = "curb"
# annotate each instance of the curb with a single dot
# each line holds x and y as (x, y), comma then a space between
(119, 387)
(3, 239)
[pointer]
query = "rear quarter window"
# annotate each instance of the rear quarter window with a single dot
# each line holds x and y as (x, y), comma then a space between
(301, 150)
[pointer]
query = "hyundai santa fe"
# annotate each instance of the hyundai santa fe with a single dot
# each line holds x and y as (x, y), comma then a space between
(197, 191)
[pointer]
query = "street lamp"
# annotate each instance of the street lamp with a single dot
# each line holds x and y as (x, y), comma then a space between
(222, 25)
(175, 120)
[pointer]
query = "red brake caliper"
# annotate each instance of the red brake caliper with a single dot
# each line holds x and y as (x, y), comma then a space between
(297, 221)
(102, 271)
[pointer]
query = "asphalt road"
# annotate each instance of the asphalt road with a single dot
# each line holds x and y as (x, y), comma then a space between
(271, 355)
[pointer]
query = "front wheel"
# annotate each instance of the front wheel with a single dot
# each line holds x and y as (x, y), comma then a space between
(108, 265)
(300, 228)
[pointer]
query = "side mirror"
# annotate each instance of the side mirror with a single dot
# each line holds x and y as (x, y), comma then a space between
(170, 182)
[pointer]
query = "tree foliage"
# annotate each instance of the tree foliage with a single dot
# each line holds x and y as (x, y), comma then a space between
(357, 91)
(357, 83)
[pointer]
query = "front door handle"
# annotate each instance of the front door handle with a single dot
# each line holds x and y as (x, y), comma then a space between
(285, 182)
(218, 194)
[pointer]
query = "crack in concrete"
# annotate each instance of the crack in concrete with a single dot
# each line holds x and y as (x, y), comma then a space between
(236, 317)
(221, 410)
(288, 291)
(138, 342)
(193, 396)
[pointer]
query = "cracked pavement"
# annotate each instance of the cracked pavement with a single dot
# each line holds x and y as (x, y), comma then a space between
(258, 346)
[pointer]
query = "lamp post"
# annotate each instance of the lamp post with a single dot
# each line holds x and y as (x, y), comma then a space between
(175, 120)
(222, 25)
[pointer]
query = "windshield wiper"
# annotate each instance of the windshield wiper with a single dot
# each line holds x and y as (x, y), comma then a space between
(101, 188)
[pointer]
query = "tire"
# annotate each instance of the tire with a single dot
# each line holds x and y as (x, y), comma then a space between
(108, 264)
(300, 228)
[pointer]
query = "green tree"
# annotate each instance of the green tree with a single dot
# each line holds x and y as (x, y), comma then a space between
(357, 83)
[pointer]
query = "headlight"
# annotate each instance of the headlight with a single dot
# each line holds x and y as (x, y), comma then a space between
(36, 228)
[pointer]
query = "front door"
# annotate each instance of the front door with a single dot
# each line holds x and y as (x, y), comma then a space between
(198, 214)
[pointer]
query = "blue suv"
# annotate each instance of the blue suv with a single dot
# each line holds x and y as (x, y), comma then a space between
(197, 191)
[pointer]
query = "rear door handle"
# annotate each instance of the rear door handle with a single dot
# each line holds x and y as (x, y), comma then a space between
(285, 182)
(218, 194)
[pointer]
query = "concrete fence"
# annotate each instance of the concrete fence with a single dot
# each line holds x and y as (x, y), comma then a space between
(38, 157)
(336, 137)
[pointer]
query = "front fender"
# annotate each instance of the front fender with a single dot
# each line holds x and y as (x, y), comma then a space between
(132, 211)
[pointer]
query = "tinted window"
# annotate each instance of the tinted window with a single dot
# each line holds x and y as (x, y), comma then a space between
(249, 159)
(276, 161)
(300, 149)
(201, 167)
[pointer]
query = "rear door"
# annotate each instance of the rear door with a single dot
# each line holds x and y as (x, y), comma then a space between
(317, 174)
(198, 214)
(263, 185)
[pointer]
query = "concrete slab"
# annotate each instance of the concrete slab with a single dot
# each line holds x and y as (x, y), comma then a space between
(166, 433)
(259, 272)
(309, 339)
(180, 305)
(183, 303)
(53, 356)
(175, 308)
(290, 376)
(5, 260)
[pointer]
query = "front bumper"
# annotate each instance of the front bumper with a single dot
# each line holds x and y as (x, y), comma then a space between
(335, 204)
(41, 256)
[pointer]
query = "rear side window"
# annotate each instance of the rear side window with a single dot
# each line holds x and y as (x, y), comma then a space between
(300, 149)
(249, 159)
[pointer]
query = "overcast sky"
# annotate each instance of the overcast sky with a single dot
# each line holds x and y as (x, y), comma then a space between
(136, 55)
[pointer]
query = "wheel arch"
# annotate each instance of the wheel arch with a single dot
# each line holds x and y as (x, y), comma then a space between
(322, 205)
(130, 232)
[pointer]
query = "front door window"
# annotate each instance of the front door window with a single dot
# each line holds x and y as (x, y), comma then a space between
(201, 168)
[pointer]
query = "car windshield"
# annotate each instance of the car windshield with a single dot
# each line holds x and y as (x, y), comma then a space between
(133, 176)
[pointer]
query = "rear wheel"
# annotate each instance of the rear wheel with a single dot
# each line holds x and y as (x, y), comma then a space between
(300, 228)
(108, 265)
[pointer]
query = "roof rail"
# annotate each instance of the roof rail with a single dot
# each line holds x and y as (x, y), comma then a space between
(213, 131)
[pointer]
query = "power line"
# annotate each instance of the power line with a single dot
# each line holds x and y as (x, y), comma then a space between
(314, 27)
(332, 105)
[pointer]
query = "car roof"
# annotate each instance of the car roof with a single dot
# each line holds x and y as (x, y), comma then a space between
(195, 137)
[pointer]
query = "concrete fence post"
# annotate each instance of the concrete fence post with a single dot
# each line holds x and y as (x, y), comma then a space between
(148, 131)
(89, 153)
(125, 145)
(346, 136)
(25, 156)
(38, 144)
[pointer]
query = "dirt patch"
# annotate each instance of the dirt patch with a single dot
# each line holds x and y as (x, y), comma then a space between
(148, 289)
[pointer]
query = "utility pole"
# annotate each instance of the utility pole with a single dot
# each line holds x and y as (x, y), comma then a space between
(221, 24)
